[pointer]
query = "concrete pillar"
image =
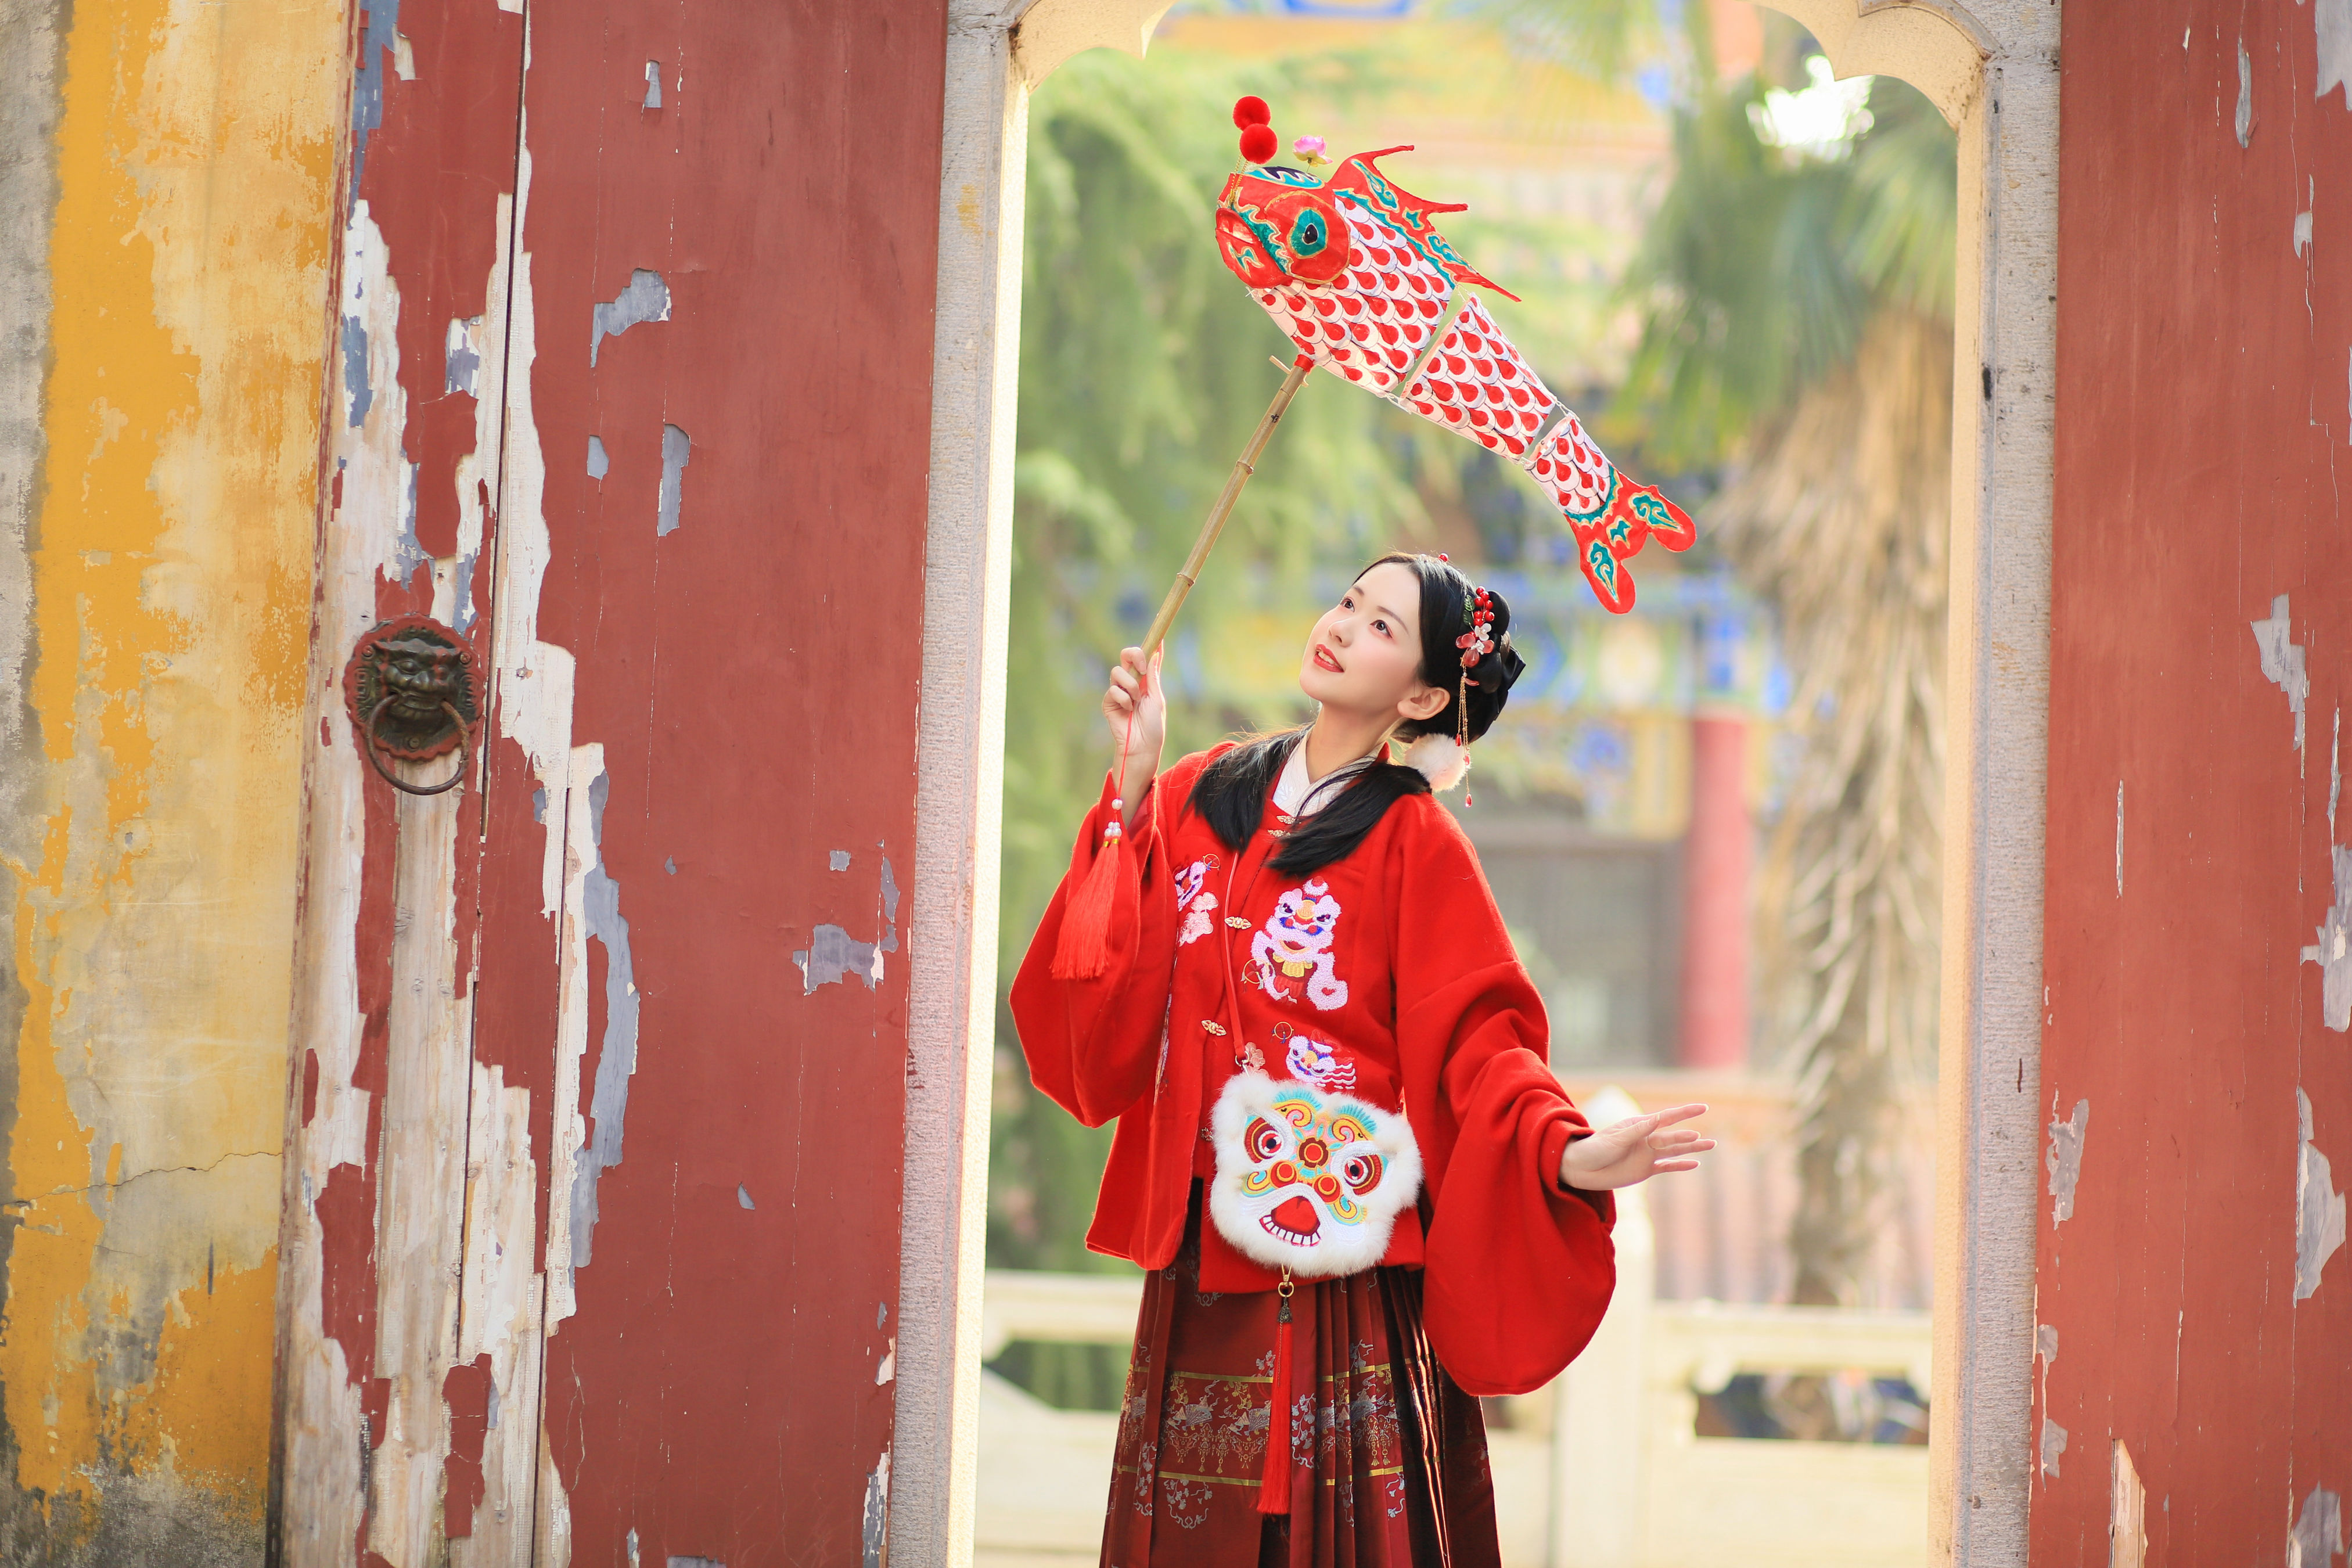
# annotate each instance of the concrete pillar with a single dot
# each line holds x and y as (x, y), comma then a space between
(1718, 858)
(1602, 1426)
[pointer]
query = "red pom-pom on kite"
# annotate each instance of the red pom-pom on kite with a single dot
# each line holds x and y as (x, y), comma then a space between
(1259, 142)
(1249, 111)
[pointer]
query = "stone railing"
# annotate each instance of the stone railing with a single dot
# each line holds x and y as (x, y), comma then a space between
(1602, 1469)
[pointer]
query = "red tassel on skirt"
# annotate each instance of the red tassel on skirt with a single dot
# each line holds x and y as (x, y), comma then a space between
(1384, 1462)
(1274, 1485)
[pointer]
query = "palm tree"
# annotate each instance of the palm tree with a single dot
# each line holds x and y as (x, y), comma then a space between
(1796, 311)
(1798, 330)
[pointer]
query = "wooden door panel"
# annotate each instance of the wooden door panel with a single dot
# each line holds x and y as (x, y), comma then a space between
(373, 1237)
(604, 1056)
(2194, 1078)
(731, 296)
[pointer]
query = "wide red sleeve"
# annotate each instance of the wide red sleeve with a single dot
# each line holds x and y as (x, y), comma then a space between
(1093, 1045)
(1519, 1269)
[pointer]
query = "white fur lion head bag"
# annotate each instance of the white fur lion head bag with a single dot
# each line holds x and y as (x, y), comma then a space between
(1307, 1180)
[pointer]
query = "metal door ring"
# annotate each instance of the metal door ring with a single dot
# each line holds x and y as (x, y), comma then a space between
(368, 744)
(410, 692)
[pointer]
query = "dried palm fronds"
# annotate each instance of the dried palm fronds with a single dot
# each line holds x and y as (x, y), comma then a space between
(1841, 520)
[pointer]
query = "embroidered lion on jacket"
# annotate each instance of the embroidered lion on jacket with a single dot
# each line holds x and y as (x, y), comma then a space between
(1295, 943)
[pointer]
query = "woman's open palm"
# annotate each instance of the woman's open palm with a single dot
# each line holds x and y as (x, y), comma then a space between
(1634, 1150)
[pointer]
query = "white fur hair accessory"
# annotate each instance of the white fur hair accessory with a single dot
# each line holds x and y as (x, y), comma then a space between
(1441, 760)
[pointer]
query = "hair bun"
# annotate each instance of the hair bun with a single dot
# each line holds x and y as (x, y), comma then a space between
(1501, 669)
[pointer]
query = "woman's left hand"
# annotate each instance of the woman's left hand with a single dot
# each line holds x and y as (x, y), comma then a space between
(1634, 1150)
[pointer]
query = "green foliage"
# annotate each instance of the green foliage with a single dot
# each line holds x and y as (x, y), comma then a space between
(1143, 370)
(1761, 266)
(1902, 233)
(1604, 37)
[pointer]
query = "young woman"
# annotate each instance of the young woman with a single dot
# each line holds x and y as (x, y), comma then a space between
(1362, 1196)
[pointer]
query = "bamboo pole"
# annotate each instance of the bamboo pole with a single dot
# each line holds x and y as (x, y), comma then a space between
(1243, 468)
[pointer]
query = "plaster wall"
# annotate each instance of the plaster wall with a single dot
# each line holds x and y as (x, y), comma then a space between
(165, 180)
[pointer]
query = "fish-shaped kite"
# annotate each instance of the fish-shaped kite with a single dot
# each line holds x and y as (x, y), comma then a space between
(1352, 270)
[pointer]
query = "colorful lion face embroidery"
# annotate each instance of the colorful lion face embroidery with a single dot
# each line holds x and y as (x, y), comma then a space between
(1196, 902)
(1308, 1181)
(1296, 944)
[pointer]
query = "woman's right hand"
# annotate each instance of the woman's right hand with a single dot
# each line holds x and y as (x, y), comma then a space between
(1136, 708)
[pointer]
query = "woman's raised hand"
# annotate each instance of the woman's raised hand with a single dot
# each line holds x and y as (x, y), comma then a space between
(1634, 1150)
(1137, 710)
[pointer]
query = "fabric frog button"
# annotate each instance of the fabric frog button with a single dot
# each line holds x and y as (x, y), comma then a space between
(1296, 945)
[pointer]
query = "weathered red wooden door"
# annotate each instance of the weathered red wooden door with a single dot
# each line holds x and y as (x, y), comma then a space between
(2192, 1309)
(592, 1240)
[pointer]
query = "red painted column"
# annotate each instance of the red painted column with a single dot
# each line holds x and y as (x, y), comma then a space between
(1717, 857)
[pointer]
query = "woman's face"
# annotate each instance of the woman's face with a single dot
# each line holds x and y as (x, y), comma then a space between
(1364, 655)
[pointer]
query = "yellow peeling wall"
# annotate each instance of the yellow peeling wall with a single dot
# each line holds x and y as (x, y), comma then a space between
(167, 173)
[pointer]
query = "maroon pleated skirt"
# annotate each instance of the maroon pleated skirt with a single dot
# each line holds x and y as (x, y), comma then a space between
(1388, 1458)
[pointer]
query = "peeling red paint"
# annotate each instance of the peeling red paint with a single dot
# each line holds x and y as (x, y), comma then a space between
(2201, 427)
(714, 1389)
(715, 1378)
(466, 1389)
(481, 588)
(347, 1213)
(599, 966)
(347, 1206)
(435, 171)
(515, 1003)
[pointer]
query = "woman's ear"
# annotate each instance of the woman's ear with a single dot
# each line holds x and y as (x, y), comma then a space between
(1425, 702)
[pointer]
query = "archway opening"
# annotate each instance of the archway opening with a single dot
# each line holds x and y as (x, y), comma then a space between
(1664, 737)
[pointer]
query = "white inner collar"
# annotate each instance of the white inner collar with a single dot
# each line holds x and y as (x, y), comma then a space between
(1297, 798)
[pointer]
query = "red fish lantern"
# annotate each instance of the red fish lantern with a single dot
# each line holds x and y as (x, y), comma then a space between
(1356, 275)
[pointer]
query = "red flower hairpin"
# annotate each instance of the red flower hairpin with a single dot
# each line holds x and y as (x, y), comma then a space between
(1480, 640)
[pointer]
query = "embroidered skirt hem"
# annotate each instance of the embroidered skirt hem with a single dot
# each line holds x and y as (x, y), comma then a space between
(1388, 1458)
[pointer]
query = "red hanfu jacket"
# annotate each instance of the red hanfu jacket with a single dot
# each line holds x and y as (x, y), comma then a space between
(1394, 967)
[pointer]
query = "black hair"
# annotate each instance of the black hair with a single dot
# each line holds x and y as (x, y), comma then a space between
(1230, 794)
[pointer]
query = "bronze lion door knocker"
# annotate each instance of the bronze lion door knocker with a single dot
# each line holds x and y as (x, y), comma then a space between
(411, 692)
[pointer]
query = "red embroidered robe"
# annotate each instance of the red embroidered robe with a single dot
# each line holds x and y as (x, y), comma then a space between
(1397, 981)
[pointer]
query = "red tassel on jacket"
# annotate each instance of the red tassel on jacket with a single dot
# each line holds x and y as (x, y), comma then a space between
(1084, 952)
(1274, 1486)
